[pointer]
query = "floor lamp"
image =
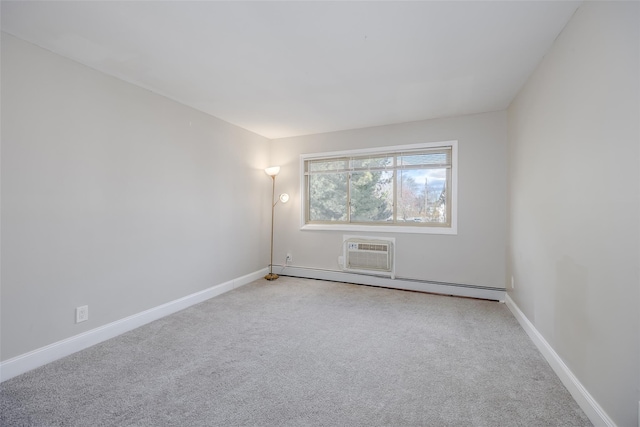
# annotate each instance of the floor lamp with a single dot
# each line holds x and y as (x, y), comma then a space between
(284, 198)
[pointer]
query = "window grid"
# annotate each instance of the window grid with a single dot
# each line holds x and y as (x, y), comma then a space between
(439, 158)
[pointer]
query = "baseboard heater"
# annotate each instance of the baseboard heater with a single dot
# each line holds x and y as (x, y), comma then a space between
(370, 279)
(369, 255)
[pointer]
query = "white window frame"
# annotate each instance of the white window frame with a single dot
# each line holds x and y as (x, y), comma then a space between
(397, 228)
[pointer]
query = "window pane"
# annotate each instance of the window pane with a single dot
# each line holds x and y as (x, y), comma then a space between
(371, 196)
(422, 195)
(327, 165)
(436, 158)
(372, 162)
(328, 197)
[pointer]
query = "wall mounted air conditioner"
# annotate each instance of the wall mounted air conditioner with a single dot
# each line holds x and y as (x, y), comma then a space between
(369, 255)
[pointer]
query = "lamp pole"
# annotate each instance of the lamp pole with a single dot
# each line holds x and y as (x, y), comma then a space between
(272, 276)
(284, 197)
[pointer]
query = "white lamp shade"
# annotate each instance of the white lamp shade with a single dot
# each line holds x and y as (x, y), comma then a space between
(272, 170)
(284, 197)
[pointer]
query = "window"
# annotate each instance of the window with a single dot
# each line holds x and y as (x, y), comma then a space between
(406, 188)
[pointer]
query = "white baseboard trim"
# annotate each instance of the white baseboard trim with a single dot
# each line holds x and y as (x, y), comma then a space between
(587, 403)
(496, 294)
(41, 356)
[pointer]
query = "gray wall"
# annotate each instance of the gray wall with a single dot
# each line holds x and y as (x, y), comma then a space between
(574, 202)
(115, 197)
(475, 256)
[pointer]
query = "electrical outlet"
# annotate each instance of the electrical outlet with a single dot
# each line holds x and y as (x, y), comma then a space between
(512, 282)
(82, 313)
(341, 260)
(289, 258)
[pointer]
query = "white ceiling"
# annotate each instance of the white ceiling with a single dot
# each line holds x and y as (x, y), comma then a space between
(291, 68)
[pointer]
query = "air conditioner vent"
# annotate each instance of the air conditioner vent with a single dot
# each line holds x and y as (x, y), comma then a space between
(373, 247)
(368, 255)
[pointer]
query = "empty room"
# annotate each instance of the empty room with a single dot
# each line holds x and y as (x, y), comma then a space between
(323, 213)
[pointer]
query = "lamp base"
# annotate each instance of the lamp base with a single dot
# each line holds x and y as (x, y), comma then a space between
(271, 276)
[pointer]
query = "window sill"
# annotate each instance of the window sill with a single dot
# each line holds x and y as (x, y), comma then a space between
(380, 228)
